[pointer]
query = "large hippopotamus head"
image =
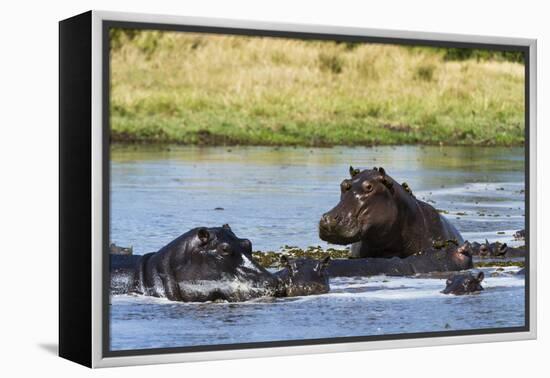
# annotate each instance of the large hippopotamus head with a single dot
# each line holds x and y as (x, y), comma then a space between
(365, 209)
(464, 284)
(304, 276)
(206, 264)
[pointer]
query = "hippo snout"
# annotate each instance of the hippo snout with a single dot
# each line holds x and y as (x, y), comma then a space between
(328, 227)
(338, 230)
(327, 221)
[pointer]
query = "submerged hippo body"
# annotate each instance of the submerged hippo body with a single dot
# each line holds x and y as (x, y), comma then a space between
(381, 218)
(303, 276)
(464, 284)
(204, 264)
(448, 259)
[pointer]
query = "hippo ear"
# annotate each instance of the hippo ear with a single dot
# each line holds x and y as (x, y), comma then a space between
(285, 263)
(324, 263)
(353, 171)
(226, 226)
(480, 276)
(386, 181)
(203, 235)
(388, 184)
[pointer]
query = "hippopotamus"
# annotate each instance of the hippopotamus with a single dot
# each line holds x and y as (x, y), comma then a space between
(496, 249)
(519, 234)
(381, 218)
(464, 284)
(447, 259)
(203, 264)
(305, 276)
(208, 264)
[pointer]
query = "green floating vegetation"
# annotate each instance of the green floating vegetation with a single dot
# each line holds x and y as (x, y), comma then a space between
(271, 259)
(191, 88)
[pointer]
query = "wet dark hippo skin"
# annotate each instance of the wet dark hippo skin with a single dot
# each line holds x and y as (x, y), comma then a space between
(497, 249)
(204, 264)
(306, 276)
(448, 259)
(461, 284)
(208, 264)
(382, 218)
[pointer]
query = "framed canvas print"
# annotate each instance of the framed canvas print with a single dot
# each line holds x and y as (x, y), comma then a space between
(232, 189)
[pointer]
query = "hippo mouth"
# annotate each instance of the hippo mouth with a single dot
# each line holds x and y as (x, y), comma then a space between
(462, 256)
(341, 233)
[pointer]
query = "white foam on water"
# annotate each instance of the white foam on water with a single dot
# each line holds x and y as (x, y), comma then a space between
(342, 288)
(205, 287)
(249, 264)
(132, 299)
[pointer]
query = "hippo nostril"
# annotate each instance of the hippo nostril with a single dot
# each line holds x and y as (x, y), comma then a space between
(326, 220)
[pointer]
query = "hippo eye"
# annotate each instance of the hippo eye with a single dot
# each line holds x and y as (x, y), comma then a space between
(367, 187)
(225, 249)
(345, 186)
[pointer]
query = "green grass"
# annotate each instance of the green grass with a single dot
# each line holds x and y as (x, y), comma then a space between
(207, 89)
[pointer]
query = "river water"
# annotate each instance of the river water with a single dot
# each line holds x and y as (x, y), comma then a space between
(275, 197)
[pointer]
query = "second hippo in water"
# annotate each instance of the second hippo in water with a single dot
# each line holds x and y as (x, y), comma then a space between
(464, 284)
(447, 259)
(304, 276)
(381, 218)
(208, 264)
(204, 264)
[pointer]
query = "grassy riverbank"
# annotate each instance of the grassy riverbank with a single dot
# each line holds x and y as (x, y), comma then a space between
(204, 89)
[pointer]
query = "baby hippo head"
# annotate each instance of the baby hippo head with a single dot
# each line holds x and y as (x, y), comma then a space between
(464, 284)
(304, 276)
(217, 264)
